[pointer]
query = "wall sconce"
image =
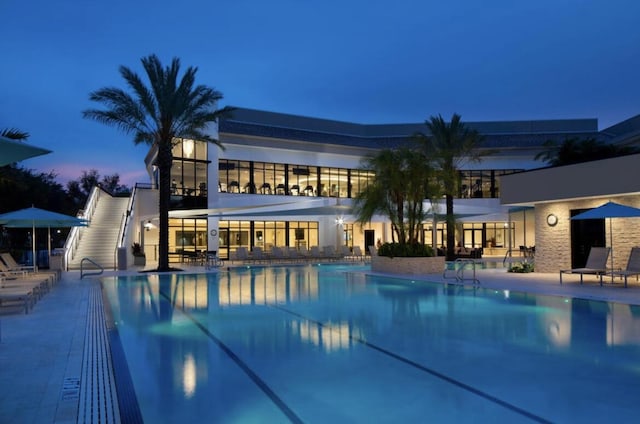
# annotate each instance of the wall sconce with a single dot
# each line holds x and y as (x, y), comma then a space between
(339, 221)
(552, 220)
(148, 225)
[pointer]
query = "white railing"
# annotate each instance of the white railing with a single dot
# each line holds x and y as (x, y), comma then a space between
(73, 239)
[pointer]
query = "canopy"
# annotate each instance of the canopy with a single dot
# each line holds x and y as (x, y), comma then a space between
(14, 151)
(610, 210)
(39, 218)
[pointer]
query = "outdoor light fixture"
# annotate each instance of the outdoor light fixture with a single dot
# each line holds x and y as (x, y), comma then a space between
(148, 225)
(552, 220)
(339, 221)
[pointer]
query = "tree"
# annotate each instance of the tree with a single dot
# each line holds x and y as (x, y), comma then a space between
(14, 134)
(449, 145)
(80, 189)
(403, 180)
(157, 115)
(575, 150)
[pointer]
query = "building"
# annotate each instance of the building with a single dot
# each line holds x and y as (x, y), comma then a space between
(287, 180)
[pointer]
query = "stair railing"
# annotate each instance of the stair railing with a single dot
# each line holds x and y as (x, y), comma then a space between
(73, 239)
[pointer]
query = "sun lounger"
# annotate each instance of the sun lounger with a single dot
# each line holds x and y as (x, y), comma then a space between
(12, 266)
(633, 266)
(596, 264)
(357, 253)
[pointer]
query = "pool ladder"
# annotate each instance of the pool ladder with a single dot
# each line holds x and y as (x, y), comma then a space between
(459, 267)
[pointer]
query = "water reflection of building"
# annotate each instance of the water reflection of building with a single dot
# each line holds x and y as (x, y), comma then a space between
(623, 325)
(263, 286)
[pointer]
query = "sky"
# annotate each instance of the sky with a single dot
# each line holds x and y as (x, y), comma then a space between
(363, 61)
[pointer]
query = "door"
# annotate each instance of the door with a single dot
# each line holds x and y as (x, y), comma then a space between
(585, 234)
(369, 240)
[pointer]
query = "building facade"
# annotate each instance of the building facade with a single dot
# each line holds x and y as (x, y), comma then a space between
(287, 180)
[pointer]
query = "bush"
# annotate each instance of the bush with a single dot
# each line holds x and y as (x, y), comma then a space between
(398, 250)
(521, 268)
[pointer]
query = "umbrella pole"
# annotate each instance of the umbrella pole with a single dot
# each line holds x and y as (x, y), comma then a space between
(611, 243)
(33, 246)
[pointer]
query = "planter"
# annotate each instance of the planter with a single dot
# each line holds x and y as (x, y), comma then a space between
(408, 266)
(139, 260)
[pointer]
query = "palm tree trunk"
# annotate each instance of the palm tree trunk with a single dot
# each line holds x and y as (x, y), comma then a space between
(451, 229)
(164, 162)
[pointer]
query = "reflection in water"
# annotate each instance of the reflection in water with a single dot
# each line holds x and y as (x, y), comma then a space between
(276, 319)
(189, 376)
(328, 336)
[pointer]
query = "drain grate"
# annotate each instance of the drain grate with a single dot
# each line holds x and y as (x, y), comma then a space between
(98, 398)
(70, 389)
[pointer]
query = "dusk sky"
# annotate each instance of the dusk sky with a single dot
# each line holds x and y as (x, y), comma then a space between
(351, 60)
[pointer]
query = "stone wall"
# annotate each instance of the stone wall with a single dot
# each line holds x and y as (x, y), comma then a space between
(553, 243)
(408, 266)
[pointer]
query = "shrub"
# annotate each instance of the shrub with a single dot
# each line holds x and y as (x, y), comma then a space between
(393, 250)
(521, 268)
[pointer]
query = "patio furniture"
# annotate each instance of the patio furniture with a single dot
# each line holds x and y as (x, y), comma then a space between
(633, 266)
(596, 264)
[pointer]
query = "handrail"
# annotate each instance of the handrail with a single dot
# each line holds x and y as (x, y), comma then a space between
(458, 268)
(73, 239)
(82, 273)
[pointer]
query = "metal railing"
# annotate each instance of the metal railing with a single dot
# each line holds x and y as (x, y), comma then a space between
(82, 272)
(459, 266)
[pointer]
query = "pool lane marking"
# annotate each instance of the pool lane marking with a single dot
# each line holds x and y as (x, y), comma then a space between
(243, 366)
(428, 370)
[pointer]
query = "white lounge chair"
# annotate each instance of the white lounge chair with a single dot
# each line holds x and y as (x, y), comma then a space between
(633, 266)
(596, 264)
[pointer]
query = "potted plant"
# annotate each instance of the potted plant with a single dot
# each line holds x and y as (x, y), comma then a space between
(138, 255)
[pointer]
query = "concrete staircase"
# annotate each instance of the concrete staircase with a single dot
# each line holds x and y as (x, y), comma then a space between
(99, 240)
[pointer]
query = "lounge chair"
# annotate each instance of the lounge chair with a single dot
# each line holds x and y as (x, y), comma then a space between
(315, 253)
(13, 266)
(596, 264)
(23, 295)
(357, 253)
(258, 255)
(633, 266)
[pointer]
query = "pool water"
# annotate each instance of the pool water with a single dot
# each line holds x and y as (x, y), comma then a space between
(331, 344)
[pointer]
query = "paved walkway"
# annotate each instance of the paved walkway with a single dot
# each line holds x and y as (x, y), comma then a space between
(41, 352)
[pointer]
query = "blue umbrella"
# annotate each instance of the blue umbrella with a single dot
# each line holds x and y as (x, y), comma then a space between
(15, 151)
(39, 218)
(610, 210)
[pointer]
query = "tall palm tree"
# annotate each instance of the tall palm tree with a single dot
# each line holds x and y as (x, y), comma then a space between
(402, 182)
(449, 145)
(156, 115)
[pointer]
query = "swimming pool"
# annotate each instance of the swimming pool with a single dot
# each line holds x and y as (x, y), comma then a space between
(332, 344)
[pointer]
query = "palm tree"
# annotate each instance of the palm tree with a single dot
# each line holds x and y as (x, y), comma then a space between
(449, 145)
(574, 150)
(402, 182)
(157, 115)
(14, 134)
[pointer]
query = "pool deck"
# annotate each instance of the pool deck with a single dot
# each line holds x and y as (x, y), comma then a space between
(41, 353)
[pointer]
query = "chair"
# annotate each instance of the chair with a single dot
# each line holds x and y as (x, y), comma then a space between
(258, 255)
(345, 252)
(357, 253)
(633, 266)
(9, 265)
(596, 264)
(295, 190)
